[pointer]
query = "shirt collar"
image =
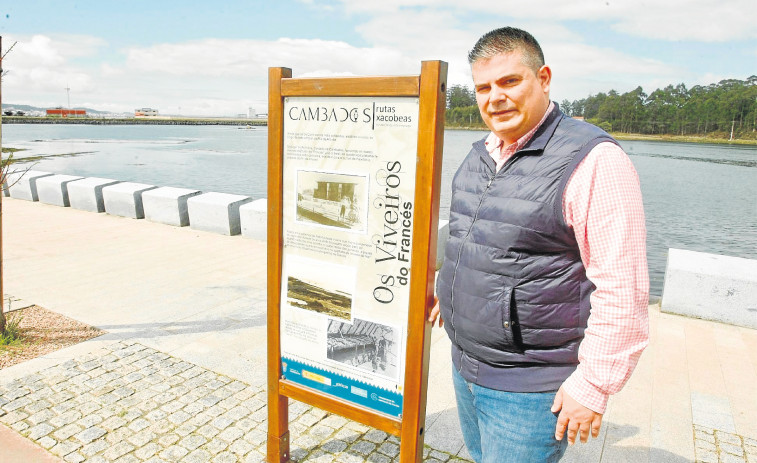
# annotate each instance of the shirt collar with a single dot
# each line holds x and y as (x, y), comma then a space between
(494, 145)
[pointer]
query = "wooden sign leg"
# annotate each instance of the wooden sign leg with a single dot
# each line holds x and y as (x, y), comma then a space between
(278, 430)
(278, 405)
(433, 83)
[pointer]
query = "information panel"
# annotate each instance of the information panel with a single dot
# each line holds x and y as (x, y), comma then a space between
(348, 191)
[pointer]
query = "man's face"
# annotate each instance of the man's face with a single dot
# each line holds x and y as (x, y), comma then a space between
(511, 97)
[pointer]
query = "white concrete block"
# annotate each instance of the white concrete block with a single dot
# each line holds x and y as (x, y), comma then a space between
(87, 194)
(216, 212)
(168, 205)
(53, 189)
(125, 199)
(711, 287)
(23, 184)
(441, 242)
(253, 217)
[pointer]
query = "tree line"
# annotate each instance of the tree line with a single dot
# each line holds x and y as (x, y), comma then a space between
(715, 110)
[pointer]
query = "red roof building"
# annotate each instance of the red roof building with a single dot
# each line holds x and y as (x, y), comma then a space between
(60, 112)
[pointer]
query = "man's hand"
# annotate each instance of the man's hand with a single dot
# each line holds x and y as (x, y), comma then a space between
(435, 314)
(574, 417)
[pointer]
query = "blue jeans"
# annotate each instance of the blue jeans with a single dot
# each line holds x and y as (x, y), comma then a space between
(503, 426)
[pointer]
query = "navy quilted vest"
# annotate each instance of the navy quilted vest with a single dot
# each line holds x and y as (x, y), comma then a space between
(513, 290)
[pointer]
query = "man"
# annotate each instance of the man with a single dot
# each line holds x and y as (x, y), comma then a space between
(544, 288)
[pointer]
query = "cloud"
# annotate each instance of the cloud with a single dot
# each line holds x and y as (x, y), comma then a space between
(41, 67)
(675, 20)
(697, 20)
(580, 68)
(199, 77)
(245, 58)
(223, 76)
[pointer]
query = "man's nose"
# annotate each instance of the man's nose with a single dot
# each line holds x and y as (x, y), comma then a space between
(497, 94)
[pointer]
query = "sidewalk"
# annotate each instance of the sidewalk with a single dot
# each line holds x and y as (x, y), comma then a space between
(180, 376)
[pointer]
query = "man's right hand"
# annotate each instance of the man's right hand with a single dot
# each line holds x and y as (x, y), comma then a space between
(435, 314)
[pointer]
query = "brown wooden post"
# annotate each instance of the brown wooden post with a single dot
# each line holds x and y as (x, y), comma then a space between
(278, 405)
(428, 181)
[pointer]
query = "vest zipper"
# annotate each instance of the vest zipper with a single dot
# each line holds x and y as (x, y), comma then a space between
(460, 251)
(475, 217)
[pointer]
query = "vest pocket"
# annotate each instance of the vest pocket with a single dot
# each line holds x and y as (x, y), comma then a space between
(509, 323)
(483, 328)
(514, 323)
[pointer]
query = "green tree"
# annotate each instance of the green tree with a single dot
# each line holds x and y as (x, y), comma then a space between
(459, 96)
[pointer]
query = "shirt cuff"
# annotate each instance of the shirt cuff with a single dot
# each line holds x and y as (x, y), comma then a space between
(585, 393)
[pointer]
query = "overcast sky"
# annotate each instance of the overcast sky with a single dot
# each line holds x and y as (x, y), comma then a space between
(211, 58)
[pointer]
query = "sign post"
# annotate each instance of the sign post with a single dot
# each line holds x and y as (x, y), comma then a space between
(354, 168)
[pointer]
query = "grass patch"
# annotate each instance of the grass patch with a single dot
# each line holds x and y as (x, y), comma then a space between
(40, 157)
(12, 150)
(40, 332)
(684, 139)
(12, 333)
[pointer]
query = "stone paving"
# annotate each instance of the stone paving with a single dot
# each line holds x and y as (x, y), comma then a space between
(713, 446)
(200, 297)
(132, 403)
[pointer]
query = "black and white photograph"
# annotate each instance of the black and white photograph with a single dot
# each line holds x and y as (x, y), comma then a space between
(332, 199)
(365, 345)
(320, 287)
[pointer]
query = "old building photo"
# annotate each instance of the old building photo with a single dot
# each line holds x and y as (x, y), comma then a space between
(332, 199)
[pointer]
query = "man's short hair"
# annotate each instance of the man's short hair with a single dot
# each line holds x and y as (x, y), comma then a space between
(507, 40)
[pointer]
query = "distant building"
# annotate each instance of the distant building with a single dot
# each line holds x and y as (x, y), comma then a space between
(60, 112)
(145, 112)
(253, 114)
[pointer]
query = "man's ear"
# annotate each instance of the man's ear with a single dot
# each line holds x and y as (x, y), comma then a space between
(545, 78)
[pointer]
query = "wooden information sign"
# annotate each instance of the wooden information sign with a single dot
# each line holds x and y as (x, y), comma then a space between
(354, 168)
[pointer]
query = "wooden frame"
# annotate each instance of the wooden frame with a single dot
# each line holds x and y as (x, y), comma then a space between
(430, 88)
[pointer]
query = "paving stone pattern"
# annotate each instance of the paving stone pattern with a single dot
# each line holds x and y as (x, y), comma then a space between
(136, 404)
(714, 446)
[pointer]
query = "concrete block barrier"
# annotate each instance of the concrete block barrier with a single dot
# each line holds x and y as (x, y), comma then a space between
(711, 287)
(168, 205)
(87, 194)
(253, 217)
(125, 199)
(216, 212)
(53, 189)
(23, 184)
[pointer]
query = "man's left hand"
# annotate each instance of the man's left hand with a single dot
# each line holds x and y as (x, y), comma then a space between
(577, 419)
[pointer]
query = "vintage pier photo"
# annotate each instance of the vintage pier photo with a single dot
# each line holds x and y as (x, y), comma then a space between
(366, 345)
(332, 199)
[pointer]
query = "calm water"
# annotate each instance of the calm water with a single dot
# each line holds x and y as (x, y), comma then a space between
(696, 197)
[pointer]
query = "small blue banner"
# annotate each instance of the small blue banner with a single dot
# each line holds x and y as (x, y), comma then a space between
(343, 387)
